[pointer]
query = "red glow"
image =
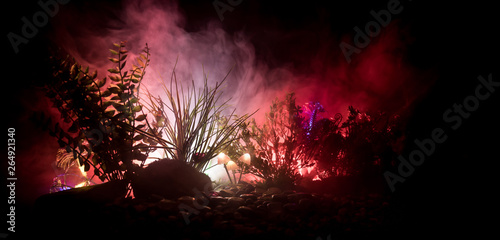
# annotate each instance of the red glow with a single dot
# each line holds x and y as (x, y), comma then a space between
(379, 78)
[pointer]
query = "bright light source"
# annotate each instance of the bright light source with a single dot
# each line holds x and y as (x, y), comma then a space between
(231, 165)
(223, 158)
(245, 158)
(82, 170)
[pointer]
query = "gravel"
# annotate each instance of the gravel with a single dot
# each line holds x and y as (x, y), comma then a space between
(239, 213)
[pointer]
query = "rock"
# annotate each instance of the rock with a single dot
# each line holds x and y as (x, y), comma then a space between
(279, 198)
(248, 188)
(214, 201)
(221, 225)
(305, 204)
(273, 190)
(291, 207)
(167, 205)
(249, 202)
(238, 216)
(295, 197)
(140, 208)
(205, 209)
(259, 190)
(97, 194)
(248, 196)
(226, 193)
(170, 179)
(265, 198)
(239, 192)
(186, 200)
(235, 201)
(274, 207)
(77, 205)
(219, 208)
(307, 217)
(262, 207)
(288, 192)
(246, 212)
(185, 215)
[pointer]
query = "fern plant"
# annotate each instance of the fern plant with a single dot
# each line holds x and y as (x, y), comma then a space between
(104, 124)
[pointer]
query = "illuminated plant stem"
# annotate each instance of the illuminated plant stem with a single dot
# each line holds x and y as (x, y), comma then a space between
(241, 173)
(234, 176)
(229, 176)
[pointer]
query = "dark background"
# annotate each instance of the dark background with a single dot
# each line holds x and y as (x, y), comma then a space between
(451, 194)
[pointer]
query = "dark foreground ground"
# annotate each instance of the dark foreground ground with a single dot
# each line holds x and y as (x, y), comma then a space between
(247, 212)
(237, 213)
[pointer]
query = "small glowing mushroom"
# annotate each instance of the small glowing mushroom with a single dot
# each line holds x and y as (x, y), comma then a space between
(245, 158)
(222, 158)
(231, 165)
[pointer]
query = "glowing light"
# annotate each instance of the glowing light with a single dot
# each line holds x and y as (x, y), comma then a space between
(223, 158)
(82, 170)
(245, 158)
(217, 172)
(231, 165)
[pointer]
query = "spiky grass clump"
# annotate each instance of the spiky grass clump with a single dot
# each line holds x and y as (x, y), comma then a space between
(199, 130)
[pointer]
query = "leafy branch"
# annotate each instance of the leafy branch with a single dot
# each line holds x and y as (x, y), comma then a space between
(104, 117)
(279, 147)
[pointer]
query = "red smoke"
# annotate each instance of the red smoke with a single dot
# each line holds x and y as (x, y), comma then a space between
(378, 79)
